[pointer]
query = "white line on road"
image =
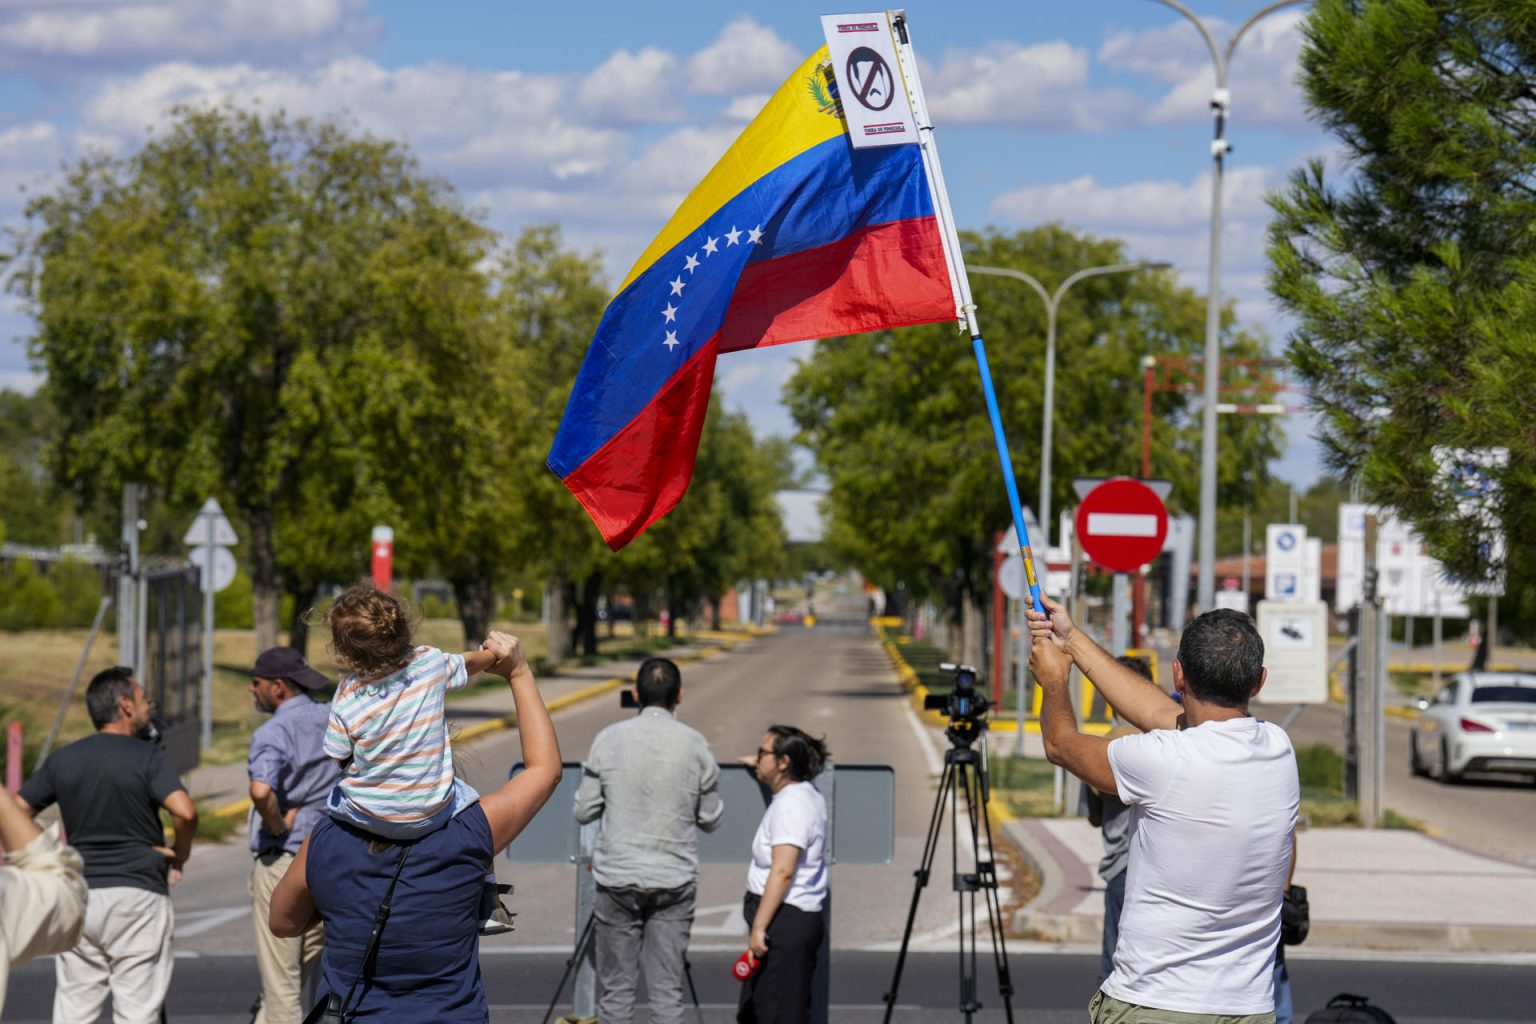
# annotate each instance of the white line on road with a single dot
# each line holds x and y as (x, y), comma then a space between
(195, 922)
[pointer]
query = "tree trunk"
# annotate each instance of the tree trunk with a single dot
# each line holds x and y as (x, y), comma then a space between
(644, 613)
(613, 616)
(477, 606)
(298, 626)
(973, 630)
(586, 613)
(714, 613)
(266, 597)
(671, 615)
(554, 613)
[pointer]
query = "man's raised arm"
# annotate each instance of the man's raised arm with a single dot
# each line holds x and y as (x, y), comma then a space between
(1134, 697)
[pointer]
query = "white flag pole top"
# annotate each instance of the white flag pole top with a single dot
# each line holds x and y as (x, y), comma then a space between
(882, 111)
(965, 307)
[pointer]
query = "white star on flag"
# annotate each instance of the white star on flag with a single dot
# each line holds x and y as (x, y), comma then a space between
(710, 248)
(691, 263)
(670, 313)
(677, 285)
(755, 236)
(732, 236)
(671, 341)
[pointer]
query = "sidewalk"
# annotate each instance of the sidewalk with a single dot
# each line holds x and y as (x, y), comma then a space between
(226, 785)
(1369, 889)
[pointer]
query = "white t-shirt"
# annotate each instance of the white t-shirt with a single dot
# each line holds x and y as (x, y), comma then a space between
(796, 817)
(1213, 812)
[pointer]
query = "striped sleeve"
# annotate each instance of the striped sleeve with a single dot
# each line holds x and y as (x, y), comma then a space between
(457, 675)
(338, 744)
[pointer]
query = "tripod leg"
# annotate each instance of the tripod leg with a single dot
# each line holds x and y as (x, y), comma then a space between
(582, 943)
(688, 973)
(981, 828)
(930, 846)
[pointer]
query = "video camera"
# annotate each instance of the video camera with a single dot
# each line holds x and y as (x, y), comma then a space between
(627, 698)
(962, 704)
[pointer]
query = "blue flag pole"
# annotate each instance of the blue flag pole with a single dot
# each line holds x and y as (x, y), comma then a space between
(979, 347)
(965, 308)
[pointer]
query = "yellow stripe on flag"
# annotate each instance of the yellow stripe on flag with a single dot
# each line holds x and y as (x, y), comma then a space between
(791, 123)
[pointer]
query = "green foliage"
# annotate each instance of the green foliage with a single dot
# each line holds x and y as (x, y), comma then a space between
(898, 426)
(1320, 767)
(272, 311)
(434, 607)
(1412, 278)
(32, 510)
(28, 601)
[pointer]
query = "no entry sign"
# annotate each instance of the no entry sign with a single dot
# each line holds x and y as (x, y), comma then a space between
(1122, 523)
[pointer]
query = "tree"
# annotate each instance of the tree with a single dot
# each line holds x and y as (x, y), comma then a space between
(548, 303)
(1412, 278)
(256, 308)
(897, 423)
(31, 511)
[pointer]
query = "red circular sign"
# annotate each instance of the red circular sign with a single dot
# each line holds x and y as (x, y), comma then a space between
(1122, 524)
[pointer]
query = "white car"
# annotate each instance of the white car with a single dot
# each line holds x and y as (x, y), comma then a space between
(1478, 722)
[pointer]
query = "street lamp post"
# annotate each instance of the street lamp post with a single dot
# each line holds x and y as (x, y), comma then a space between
(1052, 301)
(1221, 101)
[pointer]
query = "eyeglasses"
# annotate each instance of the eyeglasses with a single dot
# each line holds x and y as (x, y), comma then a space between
(761, 752)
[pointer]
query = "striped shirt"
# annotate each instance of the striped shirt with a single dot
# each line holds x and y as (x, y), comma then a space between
(391, 736)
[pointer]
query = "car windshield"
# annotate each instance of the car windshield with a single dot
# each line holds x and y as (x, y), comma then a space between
(1504, 695)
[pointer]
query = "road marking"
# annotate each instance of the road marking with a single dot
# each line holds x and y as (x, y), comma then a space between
(1121, 524)
(731, 921)
(195, 922)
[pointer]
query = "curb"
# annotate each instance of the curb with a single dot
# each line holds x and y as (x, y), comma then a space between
(909, 682)
(726, 641)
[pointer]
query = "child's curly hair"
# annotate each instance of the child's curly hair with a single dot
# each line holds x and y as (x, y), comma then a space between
(370, 631)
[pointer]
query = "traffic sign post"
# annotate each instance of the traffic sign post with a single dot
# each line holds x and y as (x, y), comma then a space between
(1123, 523)
(208, 535)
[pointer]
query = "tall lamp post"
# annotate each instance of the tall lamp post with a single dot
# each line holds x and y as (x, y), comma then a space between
(1221, 101)
(1052, 301)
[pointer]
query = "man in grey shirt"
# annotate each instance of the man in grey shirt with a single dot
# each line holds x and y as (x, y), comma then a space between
(653, 782)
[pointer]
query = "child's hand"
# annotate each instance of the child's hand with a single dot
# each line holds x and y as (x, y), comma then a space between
(508, 651)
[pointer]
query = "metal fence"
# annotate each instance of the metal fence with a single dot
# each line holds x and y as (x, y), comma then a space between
(171, 663)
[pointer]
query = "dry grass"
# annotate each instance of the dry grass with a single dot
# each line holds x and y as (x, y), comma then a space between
(36, 665)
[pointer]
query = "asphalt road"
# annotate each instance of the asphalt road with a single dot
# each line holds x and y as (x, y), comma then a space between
(832, 679)
(1051, 988)
(1489, 813)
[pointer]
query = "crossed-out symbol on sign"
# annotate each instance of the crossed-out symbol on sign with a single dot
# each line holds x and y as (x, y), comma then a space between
(871, 79)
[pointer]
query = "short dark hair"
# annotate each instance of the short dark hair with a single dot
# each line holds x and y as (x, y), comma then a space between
(108, 687)
(658, 683)
(1223, 657)
(807, 755)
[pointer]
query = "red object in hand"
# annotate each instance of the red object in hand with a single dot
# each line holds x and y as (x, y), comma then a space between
(745, 966)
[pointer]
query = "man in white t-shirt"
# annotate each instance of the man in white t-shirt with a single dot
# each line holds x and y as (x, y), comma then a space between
(1213, 795)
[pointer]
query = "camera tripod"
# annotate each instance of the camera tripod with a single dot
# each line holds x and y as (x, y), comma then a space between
(965, 771)
(583, 944)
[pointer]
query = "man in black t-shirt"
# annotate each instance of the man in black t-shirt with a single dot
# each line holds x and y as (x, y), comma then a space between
(110, 788)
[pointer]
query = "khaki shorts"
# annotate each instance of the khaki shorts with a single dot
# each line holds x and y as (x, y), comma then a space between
(1106, 1009)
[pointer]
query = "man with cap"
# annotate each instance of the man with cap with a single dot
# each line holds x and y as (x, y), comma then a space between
(291, 778)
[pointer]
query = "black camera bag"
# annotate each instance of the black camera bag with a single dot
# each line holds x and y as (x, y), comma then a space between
(1295, 916)
(1347, 1009)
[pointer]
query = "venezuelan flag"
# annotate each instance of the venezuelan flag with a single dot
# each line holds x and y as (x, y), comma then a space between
(793, 235)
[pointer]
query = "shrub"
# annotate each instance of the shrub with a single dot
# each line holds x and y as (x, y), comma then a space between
(1320, 767)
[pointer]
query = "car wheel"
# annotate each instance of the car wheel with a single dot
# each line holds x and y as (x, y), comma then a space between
(1444, 774)
(1415, 763)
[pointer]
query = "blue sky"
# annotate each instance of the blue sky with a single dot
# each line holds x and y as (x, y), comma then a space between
(601, 116)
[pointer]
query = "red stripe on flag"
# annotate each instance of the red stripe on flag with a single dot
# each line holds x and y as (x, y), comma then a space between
(643, 471)
(883, 276)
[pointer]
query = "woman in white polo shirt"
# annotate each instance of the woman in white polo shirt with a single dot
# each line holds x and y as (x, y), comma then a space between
(787, 881)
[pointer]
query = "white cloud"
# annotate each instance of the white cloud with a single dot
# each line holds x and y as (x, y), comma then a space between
(1170, 220)
(480, 127)
(752, 381)
(57, 36)
(745, 57)
(1139, 205)
(632, 88)
(1043, 85)
(1261, 78)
